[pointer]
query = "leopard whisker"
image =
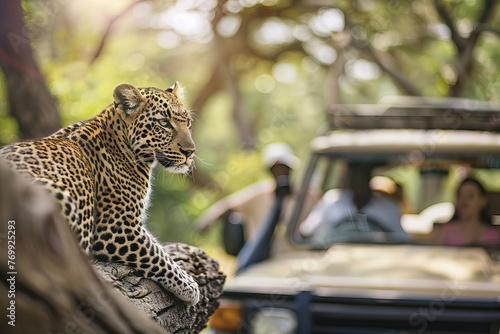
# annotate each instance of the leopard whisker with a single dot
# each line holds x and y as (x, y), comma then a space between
(201, 160)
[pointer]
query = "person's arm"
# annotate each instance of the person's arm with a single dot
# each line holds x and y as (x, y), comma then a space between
(236, 202)
(436, 236)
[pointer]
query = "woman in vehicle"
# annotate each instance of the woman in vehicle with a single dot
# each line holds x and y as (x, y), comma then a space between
(471, 223)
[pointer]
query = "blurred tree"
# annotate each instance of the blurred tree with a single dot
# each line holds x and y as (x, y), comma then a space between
(401, 35)
(30, 103)
(359, 43)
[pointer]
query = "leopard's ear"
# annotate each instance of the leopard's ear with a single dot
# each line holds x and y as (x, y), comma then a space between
(127, 97)
(177, 90)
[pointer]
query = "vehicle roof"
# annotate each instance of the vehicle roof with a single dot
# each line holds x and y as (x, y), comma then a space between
(402, 140)
(417, 113)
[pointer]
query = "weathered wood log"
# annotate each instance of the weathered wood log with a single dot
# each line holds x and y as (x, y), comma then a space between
(162, 306)
(49, 285)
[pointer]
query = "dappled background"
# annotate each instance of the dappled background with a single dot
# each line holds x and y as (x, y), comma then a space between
(255, 72)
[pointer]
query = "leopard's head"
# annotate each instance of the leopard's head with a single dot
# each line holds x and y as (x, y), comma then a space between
(158, 125)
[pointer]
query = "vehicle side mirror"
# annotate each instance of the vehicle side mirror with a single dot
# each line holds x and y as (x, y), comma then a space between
(233, 233)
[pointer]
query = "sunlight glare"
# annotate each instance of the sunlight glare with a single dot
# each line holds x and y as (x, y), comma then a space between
(362, 70)
(142, 10)
(167, 39)
(327, 21)
(440, 31)
(302, 33)
(322, 52)
(187, 22)
(228, 25)
(285, 72)
(269, 3)
(191, 24)
(185, 5)
(248, 3)
(385, 40)
(274, 31)
(465, 27)
(233, 6)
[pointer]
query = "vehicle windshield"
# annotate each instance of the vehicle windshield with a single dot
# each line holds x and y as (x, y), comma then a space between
(391, 198)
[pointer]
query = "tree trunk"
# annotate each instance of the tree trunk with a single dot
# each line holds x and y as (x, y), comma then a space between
(31, 104)
(47, 284)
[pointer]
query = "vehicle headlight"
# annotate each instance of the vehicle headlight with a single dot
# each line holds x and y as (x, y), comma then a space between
(274, 320)
(227, 317)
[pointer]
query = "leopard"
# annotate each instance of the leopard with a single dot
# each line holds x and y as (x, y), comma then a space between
(100, 171)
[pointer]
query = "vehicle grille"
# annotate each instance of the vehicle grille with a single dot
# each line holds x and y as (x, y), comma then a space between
(370, 319)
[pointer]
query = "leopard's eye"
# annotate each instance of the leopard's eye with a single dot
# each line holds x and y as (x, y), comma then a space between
(165, 123)
(189, 124)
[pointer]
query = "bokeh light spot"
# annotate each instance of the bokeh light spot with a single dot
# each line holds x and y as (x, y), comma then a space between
(167, 39)
(284, 72)
(275, 31)
(228, 25)
(362, 70)
(327, 21)
(265, 83)
(136, 61)
(322, 52)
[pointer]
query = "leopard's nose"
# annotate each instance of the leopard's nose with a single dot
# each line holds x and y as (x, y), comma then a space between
(187, 153)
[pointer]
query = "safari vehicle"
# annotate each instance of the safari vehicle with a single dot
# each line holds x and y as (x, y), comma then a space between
(360, 274)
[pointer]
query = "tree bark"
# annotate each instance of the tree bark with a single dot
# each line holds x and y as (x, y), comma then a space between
(162, 306)
(465, 45)
(31, 104)
(466, 56)
(50, 286)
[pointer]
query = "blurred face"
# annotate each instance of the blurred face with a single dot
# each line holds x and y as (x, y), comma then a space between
(279, 169)
(470, 201)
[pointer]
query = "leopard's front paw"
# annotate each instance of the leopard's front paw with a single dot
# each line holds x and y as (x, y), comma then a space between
(182, 285)
(192, 296)
(190, 291)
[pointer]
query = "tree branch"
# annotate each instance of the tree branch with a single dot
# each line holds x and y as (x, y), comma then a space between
(385, 61)
(332, 88)
(487, 11)
(457, 39)
(162, 306)
(107, 30)
(488, 28)
(465, 58)
(276, 52)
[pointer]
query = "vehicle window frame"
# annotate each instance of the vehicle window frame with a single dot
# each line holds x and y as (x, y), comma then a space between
(326, 177)
(293, 236)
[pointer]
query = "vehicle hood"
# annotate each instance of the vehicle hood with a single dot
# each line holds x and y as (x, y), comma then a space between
(380, 271)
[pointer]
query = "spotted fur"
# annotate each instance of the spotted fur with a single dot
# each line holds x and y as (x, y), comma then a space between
(100, 170)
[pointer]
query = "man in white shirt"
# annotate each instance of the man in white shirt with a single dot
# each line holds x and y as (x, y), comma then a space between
(357, 204)
(253, 203)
